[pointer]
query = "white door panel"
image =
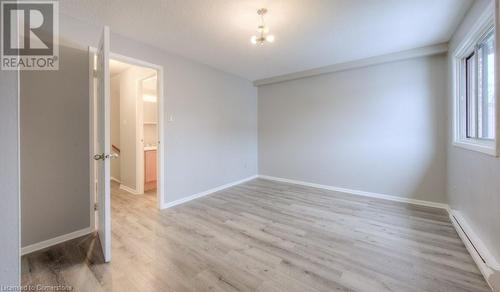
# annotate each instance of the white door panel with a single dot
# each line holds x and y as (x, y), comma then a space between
(103, 145)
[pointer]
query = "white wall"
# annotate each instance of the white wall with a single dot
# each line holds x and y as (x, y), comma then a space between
(9, 179)
(129, 93)
(379, 129)
(213, 138)
(474, 178)
(211, 142)
(150, 115)
(55, 159)
(115, 123)
(150, 135)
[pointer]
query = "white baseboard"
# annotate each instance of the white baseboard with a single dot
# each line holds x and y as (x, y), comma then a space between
(115, 180)
(358, 192)
(129, 189)
(56, 240)
(207, 192)
(485, 261)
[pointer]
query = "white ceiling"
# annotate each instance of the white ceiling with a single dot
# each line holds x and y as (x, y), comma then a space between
(309, 33)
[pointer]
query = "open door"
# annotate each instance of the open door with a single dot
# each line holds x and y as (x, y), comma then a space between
(102, 154)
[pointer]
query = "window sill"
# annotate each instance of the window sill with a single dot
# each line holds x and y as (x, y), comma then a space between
(488, 149)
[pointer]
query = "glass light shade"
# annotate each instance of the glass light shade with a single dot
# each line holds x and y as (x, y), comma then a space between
(253, 40)
(270, 38)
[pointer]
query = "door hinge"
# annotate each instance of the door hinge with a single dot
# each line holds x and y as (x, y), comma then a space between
(95, 73)
(95, 207)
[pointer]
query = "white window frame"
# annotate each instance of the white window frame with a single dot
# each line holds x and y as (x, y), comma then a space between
(463, 50)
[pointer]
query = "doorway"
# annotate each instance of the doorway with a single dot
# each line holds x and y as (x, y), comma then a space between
(133, 127)
(145, 86)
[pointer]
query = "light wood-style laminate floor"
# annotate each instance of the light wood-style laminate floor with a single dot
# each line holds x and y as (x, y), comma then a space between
(265, 236)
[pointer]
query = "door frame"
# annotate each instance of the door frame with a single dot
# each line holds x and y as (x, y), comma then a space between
(160, 153)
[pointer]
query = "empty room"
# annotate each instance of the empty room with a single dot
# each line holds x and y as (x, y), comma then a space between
(250, 145)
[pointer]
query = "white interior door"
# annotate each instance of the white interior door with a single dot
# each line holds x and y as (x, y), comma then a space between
(103, 144)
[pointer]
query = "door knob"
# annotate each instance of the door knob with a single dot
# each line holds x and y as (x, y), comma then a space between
(99, 157)
(106, 156)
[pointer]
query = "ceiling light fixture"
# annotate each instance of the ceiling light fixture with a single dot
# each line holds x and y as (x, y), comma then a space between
(263, 30)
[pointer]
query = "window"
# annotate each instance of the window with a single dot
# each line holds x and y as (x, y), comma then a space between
(475, 110)
(479, 82)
